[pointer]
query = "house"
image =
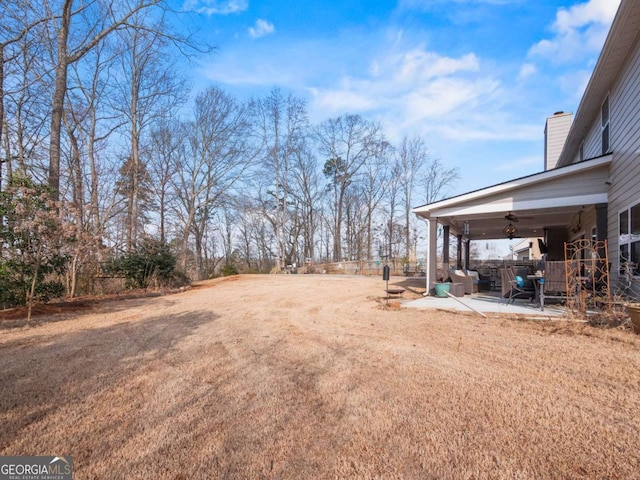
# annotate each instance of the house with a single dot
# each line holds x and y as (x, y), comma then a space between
(590, 188)
(527, 249)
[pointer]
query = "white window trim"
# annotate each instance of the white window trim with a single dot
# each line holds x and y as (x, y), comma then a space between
(628, 210)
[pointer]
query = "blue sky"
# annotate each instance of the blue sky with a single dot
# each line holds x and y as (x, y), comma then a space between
(475, 78)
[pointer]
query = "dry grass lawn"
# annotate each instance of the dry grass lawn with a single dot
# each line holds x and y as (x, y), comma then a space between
(287, 377)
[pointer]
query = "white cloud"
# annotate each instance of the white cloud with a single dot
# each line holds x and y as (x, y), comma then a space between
(216, 7)
(422, 90)
(447, 97)
(261, 28)
(407, 88)
(578, 31)
(410, 78)
(417, 65)
(527, 70)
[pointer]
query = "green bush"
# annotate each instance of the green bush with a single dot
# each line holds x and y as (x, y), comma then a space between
(33, 242)
(152, 260)
(48, 290)
(228, 269)
(179, 279)
(11, 291)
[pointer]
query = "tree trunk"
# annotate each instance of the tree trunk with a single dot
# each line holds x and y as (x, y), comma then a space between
(337, 239)
(94, 214)
(198, 244)
(59, 94)
(32, 289)
(132, 232)
(2, 160)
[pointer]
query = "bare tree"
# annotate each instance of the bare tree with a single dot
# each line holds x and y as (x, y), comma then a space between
(308, 193)
(18, 20)
(355, 225)
(394, 193)
(412, 156)
(152, 87)
(375, 183)
(280, 126)
(347, 142)
(436, 180)
(164, 157)
(21, 84)
(96, 123)
(254, 230)
(216, 156)
(79, 29)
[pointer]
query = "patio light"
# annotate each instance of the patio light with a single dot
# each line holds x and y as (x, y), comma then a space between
(510, 231)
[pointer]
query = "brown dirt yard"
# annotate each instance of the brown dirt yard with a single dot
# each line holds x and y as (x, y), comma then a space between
(302, 376)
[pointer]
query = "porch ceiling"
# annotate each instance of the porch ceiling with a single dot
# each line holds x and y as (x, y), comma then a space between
(530, 223)
(545, 200)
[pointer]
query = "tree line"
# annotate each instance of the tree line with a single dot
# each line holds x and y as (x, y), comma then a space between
(101, 136)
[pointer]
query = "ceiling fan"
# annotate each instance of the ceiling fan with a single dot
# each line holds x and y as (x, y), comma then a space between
(510, 217)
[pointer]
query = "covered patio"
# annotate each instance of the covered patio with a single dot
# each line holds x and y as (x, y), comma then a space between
(488, 304)
(557, 206)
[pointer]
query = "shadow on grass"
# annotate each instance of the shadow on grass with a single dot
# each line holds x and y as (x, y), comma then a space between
(40, 376)
(60, 310)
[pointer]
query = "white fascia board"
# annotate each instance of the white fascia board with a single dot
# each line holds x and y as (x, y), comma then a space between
(515, 184)
(516, 205)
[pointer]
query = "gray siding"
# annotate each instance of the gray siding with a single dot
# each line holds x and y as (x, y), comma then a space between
(624, 173)
(592, 143)
(625, 141)
(624, 131)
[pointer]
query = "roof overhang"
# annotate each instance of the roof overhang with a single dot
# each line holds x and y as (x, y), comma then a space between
(543, 200)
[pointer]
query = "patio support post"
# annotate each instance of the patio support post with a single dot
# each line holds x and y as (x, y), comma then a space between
(459, 253)
(601, 225)
(432, 249)
(445, 250)
(467, 248)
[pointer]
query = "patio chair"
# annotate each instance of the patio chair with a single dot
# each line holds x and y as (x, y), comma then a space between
(517, 286)
(481, 283)
(458, 276)
(474, 279)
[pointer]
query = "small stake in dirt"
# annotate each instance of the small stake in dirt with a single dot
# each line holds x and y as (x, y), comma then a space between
(385, 276)
(468, 306)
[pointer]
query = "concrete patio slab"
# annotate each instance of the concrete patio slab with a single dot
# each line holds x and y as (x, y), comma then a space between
(487, 304)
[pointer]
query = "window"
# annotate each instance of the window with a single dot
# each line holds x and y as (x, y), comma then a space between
(605, 126)
(629, 238)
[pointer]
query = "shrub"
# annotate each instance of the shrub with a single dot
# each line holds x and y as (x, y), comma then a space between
(228, 269)
(151, 260)
(34, 240)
